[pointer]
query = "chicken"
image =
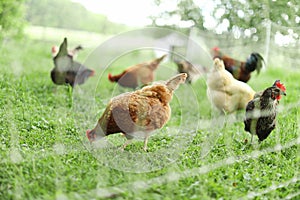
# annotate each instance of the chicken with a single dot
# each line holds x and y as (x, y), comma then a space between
(261, 112)
(72, 52)
(68, 71)
(140, 74)
(193, 73)
(225, 92)
(137, 113)
(240, 70)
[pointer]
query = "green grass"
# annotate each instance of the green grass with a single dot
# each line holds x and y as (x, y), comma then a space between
(45, 154)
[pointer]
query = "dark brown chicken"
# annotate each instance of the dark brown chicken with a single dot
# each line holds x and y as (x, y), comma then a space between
(68, 71)
(241, 70)
(261, 112)
(193, 72)
(138, 113)
(137, 75)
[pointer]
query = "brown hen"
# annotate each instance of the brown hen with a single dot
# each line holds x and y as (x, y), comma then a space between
(138, 113)
(137, 75)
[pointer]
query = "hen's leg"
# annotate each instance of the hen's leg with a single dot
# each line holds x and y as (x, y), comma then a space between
(128, 141)
(146, 143)
(70, 93)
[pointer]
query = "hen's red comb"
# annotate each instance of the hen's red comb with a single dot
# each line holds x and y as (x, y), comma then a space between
(54, 49)
(216, 49)
(280, 86)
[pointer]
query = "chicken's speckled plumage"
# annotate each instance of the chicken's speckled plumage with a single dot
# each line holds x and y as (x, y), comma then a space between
(261, 113)
(138, 113)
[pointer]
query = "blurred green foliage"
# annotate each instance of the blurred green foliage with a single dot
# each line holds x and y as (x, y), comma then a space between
(11, 18)
(69, 15)
(248, 17)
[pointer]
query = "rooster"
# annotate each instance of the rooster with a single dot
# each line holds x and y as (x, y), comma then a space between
(192, 72)
(140, 74)
(240, 70)
(225, 92)
(73, 52)
(68, 71)
(137, 113)
(261, 112)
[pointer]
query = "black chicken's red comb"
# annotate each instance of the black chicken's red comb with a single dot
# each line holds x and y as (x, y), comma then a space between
(280, 85)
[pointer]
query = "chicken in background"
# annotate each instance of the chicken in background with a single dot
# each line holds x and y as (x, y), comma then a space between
(68, 71)
(137, 75)
(71, 52)
(225, 92)
(138, 113)
(241, 70)
(261, 112)
(193, 72)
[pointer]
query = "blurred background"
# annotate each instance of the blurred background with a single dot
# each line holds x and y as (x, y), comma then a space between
(270, 27)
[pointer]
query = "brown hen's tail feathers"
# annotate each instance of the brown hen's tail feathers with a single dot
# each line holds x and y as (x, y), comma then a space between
(154, 64)
(158, 60)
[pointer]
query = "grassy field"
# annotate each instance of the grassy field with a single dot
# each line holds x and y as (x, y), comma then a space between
(45, 155)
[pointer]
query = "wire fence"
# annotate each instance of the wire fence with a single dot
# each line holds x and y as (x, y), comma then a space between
(278, 49)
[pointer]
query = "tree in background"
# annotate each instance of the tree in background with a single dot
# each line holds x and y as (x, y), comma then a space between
(11, 18)
(68, 15)
(249, 18)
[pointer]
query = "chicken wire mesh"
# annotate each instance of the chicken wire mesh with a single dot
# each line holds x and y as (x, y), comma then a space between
(88, 105)
(183, 126)
(277, 48)
(136, 47)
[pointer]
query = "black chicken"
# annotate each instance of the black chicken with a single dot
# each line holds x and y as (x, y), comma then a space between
(71, 52)
(68, 71)
(261, 112)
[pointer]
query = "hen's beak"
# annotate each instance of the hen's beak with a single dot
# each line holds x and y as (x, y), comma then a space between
(282, 92)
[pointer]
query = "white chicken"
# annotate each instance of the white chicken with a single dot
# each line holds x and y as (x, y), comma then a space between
(225, 92)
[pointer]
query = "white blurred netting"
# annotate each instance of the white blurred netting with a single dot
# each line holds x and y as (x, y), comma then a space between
(279, 45)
